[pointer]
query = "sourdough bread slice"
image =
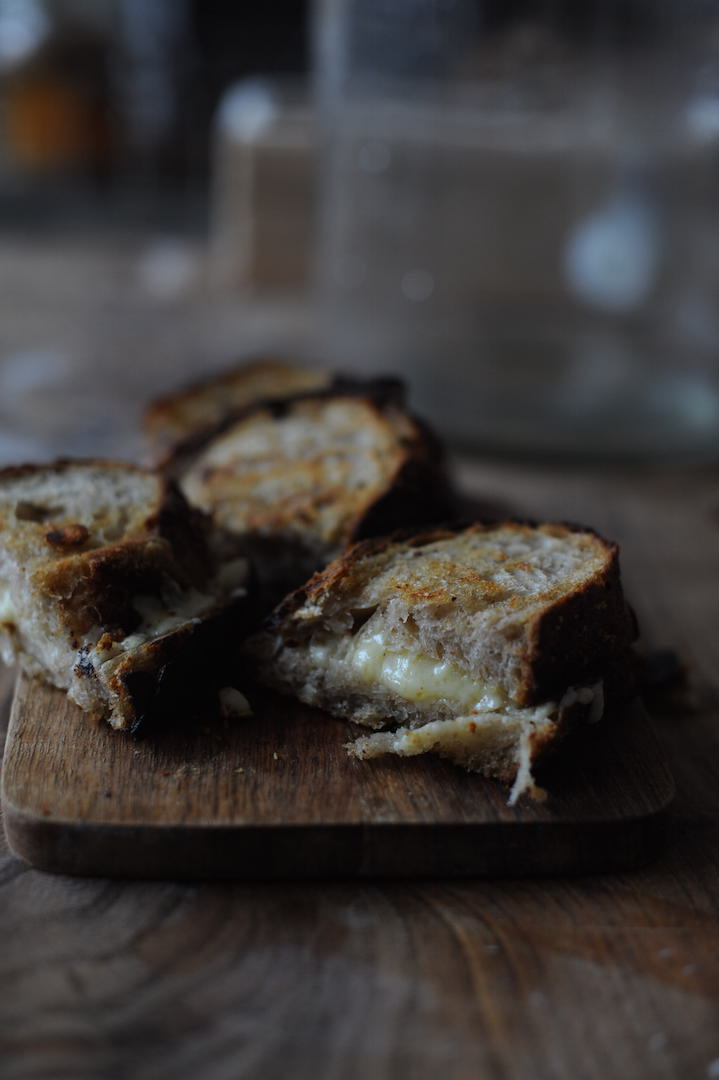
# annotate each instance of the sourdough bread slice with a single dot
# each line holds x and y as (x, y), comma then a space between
(173, 418)
(481, 644)
(105, 573)
(292, 483)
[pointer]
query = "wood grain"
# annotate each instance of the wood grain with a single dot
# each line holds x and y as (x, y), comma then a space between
(276, 795)
(558, 979)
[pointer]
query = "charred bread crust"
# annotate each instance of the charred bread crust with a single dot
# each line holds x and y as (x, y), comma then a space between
(419, 494)
(583, 633)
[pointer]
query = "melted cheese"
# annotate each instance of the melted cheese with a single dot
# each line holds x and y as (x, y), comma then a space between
(488, 728)
(419, 678)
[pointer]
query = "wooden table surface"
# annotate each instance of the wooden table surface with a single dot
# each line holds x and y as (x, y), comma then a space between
(572, 979)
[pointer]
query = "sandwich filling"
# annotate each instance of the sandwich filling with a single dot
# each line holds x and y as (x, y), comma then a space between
(483, 722)
(417, 677)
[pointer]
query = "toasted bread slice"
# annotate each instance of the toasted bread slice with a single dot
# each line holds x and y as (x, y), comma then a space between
(173, 418)
(292, 483)
(479, 644)
(105, 572)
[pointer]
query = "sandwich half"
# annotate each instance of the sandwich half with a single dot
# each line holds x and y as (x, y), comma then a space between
(481, 644)
(109, 590)
(293, 482)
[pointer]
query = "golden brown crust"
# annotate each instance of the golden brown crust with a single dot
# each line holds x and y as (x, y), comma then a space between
(342, 571)
(94, 582)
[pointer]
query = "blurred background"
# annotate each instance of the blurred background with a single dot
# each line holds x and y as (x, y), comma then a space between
(513, 203)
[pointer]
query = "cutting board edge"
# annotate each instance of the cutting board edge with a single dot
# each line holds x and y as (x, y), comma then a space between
(247, 850)
(340, 851)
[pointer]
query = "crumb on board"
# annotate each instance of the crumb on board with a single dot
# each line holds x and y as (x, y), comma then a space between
(233, 704)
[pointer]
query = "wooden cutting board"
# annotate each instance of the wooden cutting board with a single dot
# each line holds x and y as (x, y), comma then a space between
(275, 795)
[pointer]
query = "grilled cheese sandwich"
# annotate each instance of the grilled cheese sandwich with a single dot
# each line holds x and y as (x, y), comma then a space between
(108, 584)
(480, 644)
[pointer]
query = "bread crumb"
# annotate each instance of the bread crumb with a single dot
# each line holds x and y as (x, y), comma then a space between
(233, 704)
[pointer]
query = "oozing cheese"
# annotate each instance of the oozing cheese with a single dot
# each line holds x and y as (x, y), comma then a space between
(420, 678)
(488, 734)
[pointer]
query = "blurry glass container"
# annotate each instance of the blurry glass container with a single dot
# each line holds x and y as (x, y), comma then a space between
(262, 187)
(520, 212)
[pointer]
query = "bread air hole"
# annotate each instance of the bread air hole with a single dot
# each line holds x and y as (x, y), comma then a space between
(360, 616)
(30, 511)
